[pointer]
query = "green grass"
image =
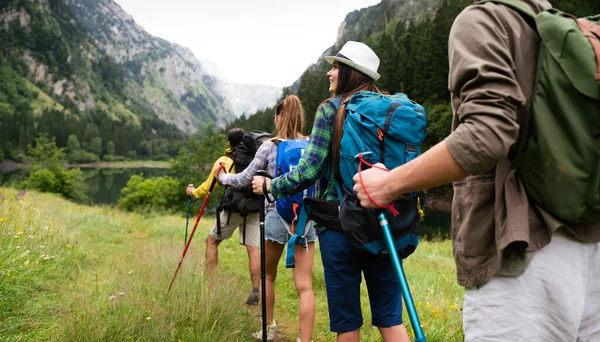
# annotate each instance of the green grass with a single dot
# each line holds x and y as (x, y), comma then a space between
(60, 263)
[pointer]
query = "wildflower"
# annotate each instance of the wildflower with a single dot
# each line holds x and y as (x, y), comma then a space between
(46, 227)
(111, 298)
(453, 306)
(31, 237)
(68, 245)
(130, 272)
(22, 193)
(3, 219)
(148, 318)
(121, 293)
(26, 262)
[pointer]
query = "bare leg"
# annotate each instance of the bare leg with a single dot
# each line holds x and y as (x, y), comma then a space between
(273, 252)
(303, 281)
(351, 336)
(212, 254)
(254, 263)
(396, 333)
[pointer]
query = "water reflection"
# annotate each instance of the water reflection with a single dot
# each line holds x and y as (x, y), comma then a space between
(104, 184)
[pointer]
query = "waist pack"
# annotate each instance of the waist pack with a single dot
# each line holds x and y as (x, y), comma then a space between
(389, 130)
(559, 161)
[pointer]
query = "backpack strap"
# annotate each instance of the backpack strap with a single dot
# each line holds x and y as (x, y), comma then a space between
(298, 237)
(592, 32)
(527, 14)
(244, 231)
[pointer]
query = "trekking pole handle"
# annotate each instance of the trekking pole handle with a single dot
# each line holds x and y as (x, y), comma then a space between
(264, 173)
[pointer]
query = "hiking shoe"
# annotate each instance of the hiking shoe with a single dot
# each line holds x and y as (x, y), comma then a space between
(270, 333)
(253, 298)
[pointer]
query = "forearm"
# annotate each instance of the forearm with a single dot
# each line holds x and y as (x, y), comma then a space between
(433, 168)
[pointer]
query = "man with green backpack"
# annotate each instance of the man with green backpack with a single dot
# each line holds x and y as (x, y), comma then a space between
(524, 156)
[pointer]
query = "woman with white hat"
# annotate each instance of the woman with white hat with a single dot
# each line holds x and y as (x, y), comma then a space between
(354, 69)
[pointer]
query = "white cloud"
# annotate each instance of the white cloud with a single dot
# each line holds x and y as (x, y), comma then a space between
(253, 41)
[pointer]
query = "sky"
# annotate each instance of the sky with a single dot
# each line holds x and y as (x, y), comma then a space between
(269, 42)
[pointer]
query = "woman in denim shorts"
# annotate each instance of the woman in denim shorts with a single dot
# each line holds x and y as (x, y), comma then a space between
(289, 118)
(354, 69)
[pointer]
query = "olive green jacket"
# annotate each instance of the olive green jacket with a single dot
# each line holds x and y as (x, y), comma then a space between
(492, 55)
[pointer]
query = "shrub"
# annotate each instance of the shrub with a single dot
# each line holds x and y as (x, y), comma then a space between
(48, 174)
(163, 194)
(43, 180)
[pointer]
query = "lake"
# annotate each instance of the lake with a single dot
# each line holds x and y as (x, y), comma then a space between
(104, 184)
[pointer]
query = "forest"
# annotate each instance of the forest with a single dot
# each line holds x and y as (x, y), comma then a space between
(117, 127)
(413, 60)
(413, 56)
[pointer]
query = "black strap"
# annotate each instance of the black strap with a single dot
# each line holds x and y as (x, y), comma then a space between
(244, 231)
(266, 193)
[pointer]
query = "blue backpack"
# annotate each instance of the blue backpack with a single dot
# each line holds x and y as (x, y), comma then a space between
(290, 208)
(384, 129)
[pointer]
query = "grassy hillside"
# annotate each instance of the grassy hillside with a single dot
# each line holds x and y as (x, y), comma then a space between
(78, 273)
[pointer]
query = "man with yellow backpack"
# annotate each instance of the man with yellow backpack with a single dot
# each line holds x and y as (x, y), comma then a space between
(240, 150)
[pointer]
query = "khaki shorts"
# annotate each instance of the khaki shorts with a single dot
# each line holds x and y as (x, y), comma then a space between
(249, 237)
(557, 298)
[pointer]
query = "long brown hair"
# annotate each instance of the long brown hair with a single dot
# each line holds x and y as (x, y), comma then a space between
(291, 118)
(349, 82)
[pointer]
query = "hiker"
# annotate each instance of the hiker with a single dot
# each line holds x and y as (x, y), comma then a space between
(528, 275)
(289, 118)
(353, 69)
(230, 221)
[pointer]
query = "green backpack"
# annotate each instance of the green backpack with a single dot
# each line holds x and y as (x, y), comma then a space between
(559, 163)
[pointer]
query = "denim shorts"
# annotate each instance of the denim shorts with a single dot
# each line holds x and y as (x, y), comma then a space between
(343, 265)
(276, 231)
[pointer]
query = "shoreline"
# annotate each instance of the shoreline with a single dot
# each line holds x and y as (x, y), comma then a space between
(8, 166)
(122, 165)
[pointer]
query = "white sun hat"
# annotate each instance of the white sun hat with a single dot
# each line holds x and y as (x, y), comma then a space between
(358, 56)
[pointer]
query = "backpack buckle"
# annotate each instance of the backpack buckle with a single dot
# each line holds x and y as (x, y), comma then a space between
(363, 155)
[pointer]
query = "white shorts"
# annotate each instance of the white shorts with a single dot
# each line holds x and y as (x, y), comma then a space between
(557, 298)
(249, 237)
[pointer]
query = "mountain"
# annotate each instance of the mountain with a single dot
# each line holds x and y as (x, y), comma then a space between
(85, 69)
(243, 99)
(166, 76)
(161, 69)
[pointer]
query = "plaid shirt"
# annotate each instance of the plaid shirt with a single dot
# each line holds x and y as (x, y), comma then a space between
(315, 161)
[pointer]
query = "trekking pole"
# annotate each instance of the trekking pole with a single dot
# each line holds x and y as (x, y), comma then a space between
(408, 301)
(187, 216)
(263, 273)
(187, 245)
